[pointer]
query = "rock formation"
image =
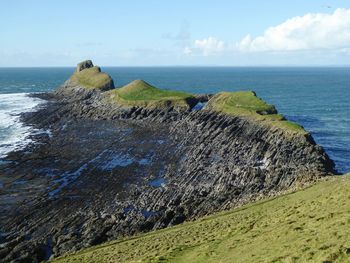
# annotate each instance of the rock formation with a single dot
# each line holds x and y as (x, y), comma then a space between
(84, 65)
(121, 161)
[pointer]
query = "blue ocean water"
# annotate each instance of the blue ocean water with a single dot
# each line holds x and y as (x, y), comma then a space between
(317, 98)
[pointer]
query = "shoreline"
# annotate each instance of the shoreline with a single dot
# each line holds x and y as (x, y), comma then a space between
(110, 171)
(18, 132)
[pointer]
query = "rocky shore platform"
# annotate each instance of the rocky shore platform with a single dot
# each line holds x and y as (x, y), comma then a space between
(112, 162)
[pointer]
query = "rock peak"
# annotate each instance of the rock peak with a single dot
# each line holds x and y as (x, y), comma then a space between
(137, 85)
(139, 82)
(84, 65)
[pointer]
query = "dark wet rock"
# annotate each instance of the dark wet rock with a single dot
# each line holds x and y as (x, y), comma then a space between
(203, 97)
(108, 171)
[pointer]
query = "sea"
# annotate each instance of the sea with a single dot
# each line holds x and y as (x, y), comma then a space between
(315, 97)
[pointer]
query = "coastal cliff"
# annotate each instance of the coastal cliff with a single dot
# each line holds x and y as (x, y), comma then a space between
(124, 160)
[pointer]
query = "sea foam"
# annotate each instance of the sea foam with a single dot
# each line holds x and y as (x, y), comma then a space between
(13, 133)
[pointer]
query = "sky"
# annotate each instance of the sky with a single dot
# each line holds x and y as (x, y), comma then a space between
(175, 33)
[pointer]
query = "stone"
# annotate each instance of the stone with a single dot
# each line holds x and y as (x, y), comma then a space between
(84, 65)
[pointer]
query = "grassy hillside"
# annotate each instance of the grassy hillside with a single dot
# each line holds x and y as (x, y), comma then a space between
(140, 93)
(311, 225)
(247, 104)
(93, 78)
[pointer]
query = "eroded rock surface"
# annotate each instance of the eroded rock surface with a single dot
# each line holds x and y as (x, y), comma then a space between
(84, 65)
(106, 170)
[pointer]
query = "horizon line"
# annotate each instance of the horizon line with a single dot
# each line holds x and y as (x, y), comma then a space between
(197, 66)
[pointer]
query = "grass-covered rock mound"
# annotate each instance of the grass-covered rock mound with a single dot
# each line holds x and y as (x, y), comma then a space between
(247, 104)
(91, 77)
(141, 94)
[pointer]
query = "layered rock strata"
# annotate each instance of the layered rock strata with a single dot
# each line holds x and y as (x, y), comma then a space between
(121, 161)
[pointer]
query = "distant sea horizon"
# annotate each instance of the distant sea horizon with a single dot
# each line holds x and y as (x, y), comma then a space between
(314, 96)
(187, 66)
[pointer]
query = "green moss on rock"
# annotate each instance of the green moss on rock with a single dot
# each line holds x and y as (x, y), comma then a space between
(247, 104)
(93, 78)
(141, 94)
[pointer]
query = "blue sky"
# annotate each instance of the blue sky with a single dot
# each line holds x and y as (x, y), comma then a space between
(157, 33)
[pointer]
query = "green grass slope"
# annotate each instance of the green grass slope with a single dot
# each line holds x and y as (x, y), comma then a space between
(247, 104)
(93, 78)
(140, 93)
(311, 225)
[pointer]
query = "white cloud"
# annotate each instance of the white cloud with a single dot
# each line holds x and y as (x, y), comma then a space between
(308, 32)
(207, 46)
(187, 51)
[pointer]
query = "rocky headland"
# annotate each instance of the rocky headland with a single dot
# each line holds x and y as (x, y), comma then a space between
(113, 161)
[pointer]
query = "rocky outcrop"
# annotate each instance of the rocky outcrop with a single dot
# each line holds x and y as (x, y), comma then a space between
(84, 65)
(109, 169)
(86, 79)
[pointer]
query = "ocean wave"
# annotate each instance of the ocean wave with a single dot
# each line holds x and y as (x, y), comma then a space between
(13, 133)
